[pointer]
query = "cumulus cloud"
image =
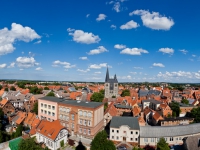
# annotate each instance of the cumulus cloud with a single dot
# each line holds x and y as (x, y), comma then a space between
(166, 50)
(99, 66)
(98, 50)
(134, 51)
(116, 7)
(65, 64)
(2, 66)
(183, 51)
(87, 15)
(38, 42)
(154, 20)
(119, 46)
(80, 36)
(83, 58)
(128, 77)
(17, 33)
(38, 68)
(133, 73)
(137, 67)
(113, 26)
(101, 17)
(158, 65)
(98, 72)
(178, 75)
(12, 65)
(26, 62)
(129, 25)
(84, 71)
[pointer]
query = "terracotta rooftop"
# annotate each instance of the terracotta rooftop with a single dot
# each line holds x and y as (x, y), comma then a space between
(49, 129)
(3, 102)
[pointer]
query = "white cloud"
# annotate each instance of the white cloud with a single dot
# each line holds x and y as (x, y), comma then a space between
(98, 72)
(154, 20)
(129, 25)
(128, 77)
(21, 69)
(38, 42)
(96, 78)
(38, 69)
(102, 65)
(99, 50)
(2, 66)
(80, 36)
(113, 26)
(133, 73)
(183, 51)
(87, 15)
(158, 65)
(101, 17)
(83, 58)
(12, 65)
(119, 46)
(70, 30)
(80, 70)
(25, 62)
(66, 65)
(193, 55)
(116, 7)
(166, 50)
(137, 67)
(17, 33)
(134, 51)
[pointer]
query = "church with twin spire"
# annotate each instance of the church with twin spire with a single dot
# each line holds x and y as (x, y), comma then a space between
(111, 86)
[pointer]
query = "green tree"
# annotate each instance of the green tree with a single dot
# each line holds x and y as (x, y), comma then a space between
(185, 101)
(102, 92)
(195, 113)
(19, 131)
(137, 148)
(1, 114)
(35, 108)
(1, 87)
(62, 143)
(6, 89)
(125, 93)
(175, 108)
(35, 90)
(28, 144)
(105, 106)
(97, 97)
(80, 146)
(1, 137)
(100, 142)
(12, 88)
(46, 88)
(51, 94)
(162, 144)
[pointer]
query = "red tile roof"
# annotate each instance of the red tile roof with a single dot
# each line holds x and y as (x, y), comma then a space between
(49, 129)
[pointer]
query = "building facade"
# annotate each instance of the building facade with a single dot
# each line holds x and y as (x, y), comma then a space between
(125, 129)
(83, 119)
(111, 86)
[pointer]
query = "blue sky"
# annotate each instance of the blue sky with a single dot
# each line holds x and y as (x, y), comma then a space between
(139, 40)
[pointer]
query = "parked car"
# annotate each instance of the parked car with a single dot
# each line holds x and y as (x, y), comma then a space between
(121, 148)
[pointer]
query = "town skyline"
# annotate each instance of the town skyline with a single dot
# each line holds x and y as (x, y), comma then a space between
(138, 41)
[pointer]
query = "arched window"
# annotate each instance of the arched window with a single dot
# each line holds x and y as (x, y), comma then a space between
(80, 113)
(84, 114)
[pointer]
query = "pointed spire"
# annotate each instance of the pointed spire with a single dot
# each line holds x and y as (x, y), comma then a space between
(107, 75)
(115, 78)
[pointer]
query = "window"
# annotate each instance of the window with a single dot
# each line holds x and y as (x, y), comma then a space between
(53, 107)
(177, 139)
(89, 123)
(180, 138)
(72, 126)
(135, 139)
(171, 139)
(80, 113)
(49, 106)
(53, 114)
(131, 139)
(152, 139)
(89, 132)
(112, 137)
(80, 121)
(67, 118)
(41, 110)
(49, 119)
(67, 110)
(84, 131)
(49, 113)
(41, 104)
(145, 139)
(45, 106)
(124, 131)
(60, 117)
(89, 115)
(131, 132)
(72, 116)
(117, 131)
(45, 112)
(84, 114)
(117, 138)
(85, 122)
(80, 130)
(136, 132)
(112, 130)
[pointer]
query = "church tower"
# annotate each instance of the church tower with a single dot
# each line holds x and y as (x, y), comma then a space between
(111, 86)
